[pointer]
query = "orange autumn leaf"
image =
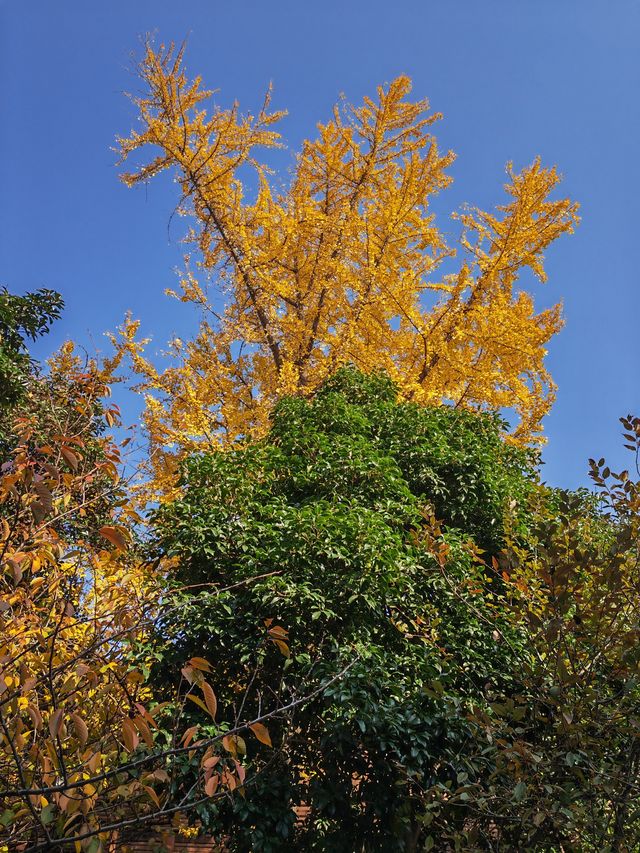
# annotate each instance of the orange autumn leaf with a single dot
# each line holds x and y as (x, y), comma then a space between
(261, 732)
(210, 699)
(114, 536)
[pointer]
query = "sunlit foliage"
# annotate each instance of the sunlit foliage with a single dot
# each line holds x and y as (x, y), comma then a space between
(341, 265)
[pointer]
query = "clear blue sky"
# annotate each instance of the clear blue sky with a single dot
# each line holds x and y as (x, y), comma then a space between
(514, 78)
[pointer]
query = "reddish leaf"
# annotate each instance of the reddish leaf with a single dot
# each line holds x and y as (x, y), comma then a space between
(229, 780)
(69, 457)
(146, 715)
(144, 730)
(211, 785)
(129, 734)
(189, 735)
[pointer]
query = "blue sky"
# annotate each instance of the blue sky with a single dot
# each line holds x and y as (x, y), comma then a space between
(514, 79)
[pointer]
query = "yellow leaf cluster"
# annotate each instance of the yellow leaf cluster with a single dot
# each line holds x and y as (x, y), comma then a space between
(344, 265)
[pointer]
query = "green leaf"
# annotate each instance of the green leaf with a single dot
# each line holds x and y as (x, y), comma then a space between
(7, 817)
(47, 814)
(519, 791)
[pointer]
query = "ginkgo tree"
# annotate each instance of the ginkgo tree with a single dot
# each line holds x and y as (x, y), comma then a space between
(344, 264)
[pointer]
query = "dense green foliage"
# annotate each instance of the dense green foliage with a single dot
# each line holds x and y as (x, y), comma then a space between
(335, 507)
(22, 317)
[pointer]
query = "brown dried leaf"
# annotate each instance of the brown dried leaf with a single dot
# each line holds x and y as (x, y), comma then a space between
(242, 773)
(36, 717)
(152, 794)
(46, 498)
(189, 735)
(284, 648)
(198, 702)
(210, 762)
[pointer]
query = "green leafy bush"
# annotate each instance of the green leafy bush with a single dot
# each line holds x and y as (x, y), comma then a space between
(327, 528)
(28, 316)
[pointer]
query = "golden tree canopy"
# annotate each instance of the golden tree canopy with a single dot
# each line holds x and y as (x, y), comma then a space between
(341, 266)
